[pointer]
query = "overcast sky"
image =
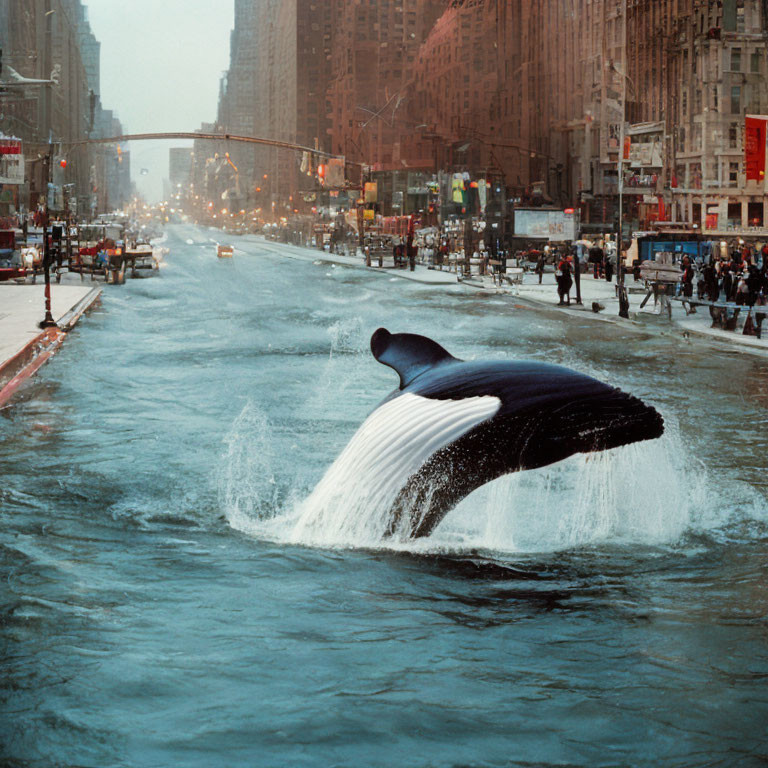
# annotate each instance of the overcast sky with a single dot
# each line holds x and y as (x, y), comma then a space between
(161, 61)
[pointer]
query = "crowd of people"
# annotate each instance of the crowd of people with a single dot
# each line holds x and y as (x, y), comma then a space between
(741, 279)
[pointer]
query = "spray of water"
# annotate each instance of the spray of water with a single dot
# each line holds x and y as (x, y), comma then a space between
(648, 493)
(642, 494)
(348, 348)
(248, 491)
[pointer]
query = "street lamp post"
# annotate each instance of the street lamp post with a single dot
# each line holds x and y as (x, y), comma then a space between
(48, 321)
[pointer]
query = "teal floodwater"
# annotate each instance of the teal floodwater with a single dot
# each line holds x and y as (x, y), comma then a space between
(160, 606)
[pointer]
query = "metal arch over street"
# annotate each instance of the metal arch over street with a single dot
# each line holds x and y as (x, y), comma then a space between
(209, 137)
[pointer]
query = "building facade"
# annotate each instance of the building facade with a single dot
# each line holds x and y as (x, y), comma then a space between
(720, 63)
(275, 88)
(52, 40)
(546, 100)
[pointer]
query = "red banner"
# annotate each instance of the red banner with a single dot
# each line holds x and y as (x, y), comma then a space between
(754, 147)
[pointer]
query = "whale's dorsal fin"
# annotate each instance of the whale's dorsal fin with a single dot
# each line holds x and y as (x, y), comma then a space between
(408, 353)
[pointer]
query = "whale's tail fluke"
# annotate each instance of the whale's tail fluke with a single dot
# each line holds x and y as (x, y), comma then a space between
(408, 353)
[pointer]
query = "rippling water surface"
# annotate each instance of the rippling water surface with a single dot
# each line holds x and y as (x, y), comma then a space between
(160, 606)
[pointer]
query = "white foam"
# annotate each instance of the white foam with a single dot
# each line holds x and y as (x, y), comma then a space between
(641, 494)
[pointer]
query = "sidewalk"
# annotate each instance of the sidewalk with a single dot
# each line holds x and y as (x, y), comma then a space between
(23, 346)
(650, 317)
(545, 296)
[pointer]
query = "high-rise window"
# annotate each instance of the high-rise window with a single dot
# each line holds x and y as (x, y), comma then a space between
(735, 59)
(735, 99)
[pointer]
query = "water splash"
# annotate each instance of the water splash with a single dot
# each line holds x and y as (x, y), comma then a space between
(646, 493)
(247, 488)
(650, 494)
(347, 337)
(352, 503)
(347, 355)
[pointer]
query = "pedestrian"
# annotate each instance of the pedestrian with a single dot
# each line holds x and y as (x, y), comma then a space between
(564, 281)
(742, 291)
(595, 258)
(608, 268)
(762, 301)
(686, 277)
(727, 284)
(746, 254)
(576, 271)
(539, 269)
(711, 288)
(754, 283)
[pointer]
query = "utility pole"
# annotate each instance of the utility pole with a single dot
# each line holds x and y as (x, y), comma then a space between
(620, 289)
(47, 68)
(48, 321)
(622, 139)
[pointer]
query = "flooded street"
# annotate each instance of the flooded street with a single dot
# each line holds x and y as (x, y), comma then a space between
(160, 605)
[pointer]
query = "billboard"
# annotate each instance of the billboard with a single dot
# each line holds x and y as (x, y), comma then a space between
(649, 154)
(546, 224)
(371, 192)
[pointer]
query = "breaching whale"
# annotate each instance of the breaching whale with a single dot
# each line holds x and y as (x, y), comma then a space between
(452, 426)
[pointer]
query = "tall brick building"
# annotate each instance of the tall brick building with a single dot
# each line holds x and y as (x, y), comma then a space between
(694, 70)
(44, 39)
(530, 95)
(276, 88)
(373, 58)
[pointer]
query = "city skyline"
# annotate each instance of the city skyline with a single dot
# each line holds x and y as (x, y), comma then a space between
(150, 92)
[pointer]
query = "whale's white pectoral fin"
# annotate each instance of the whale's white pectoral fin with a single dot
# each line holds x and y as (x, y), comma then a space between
(391, 445)
(399, 436)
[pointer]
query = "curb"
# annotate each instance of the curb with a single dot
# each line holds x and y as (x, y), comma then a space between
(25, 363)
